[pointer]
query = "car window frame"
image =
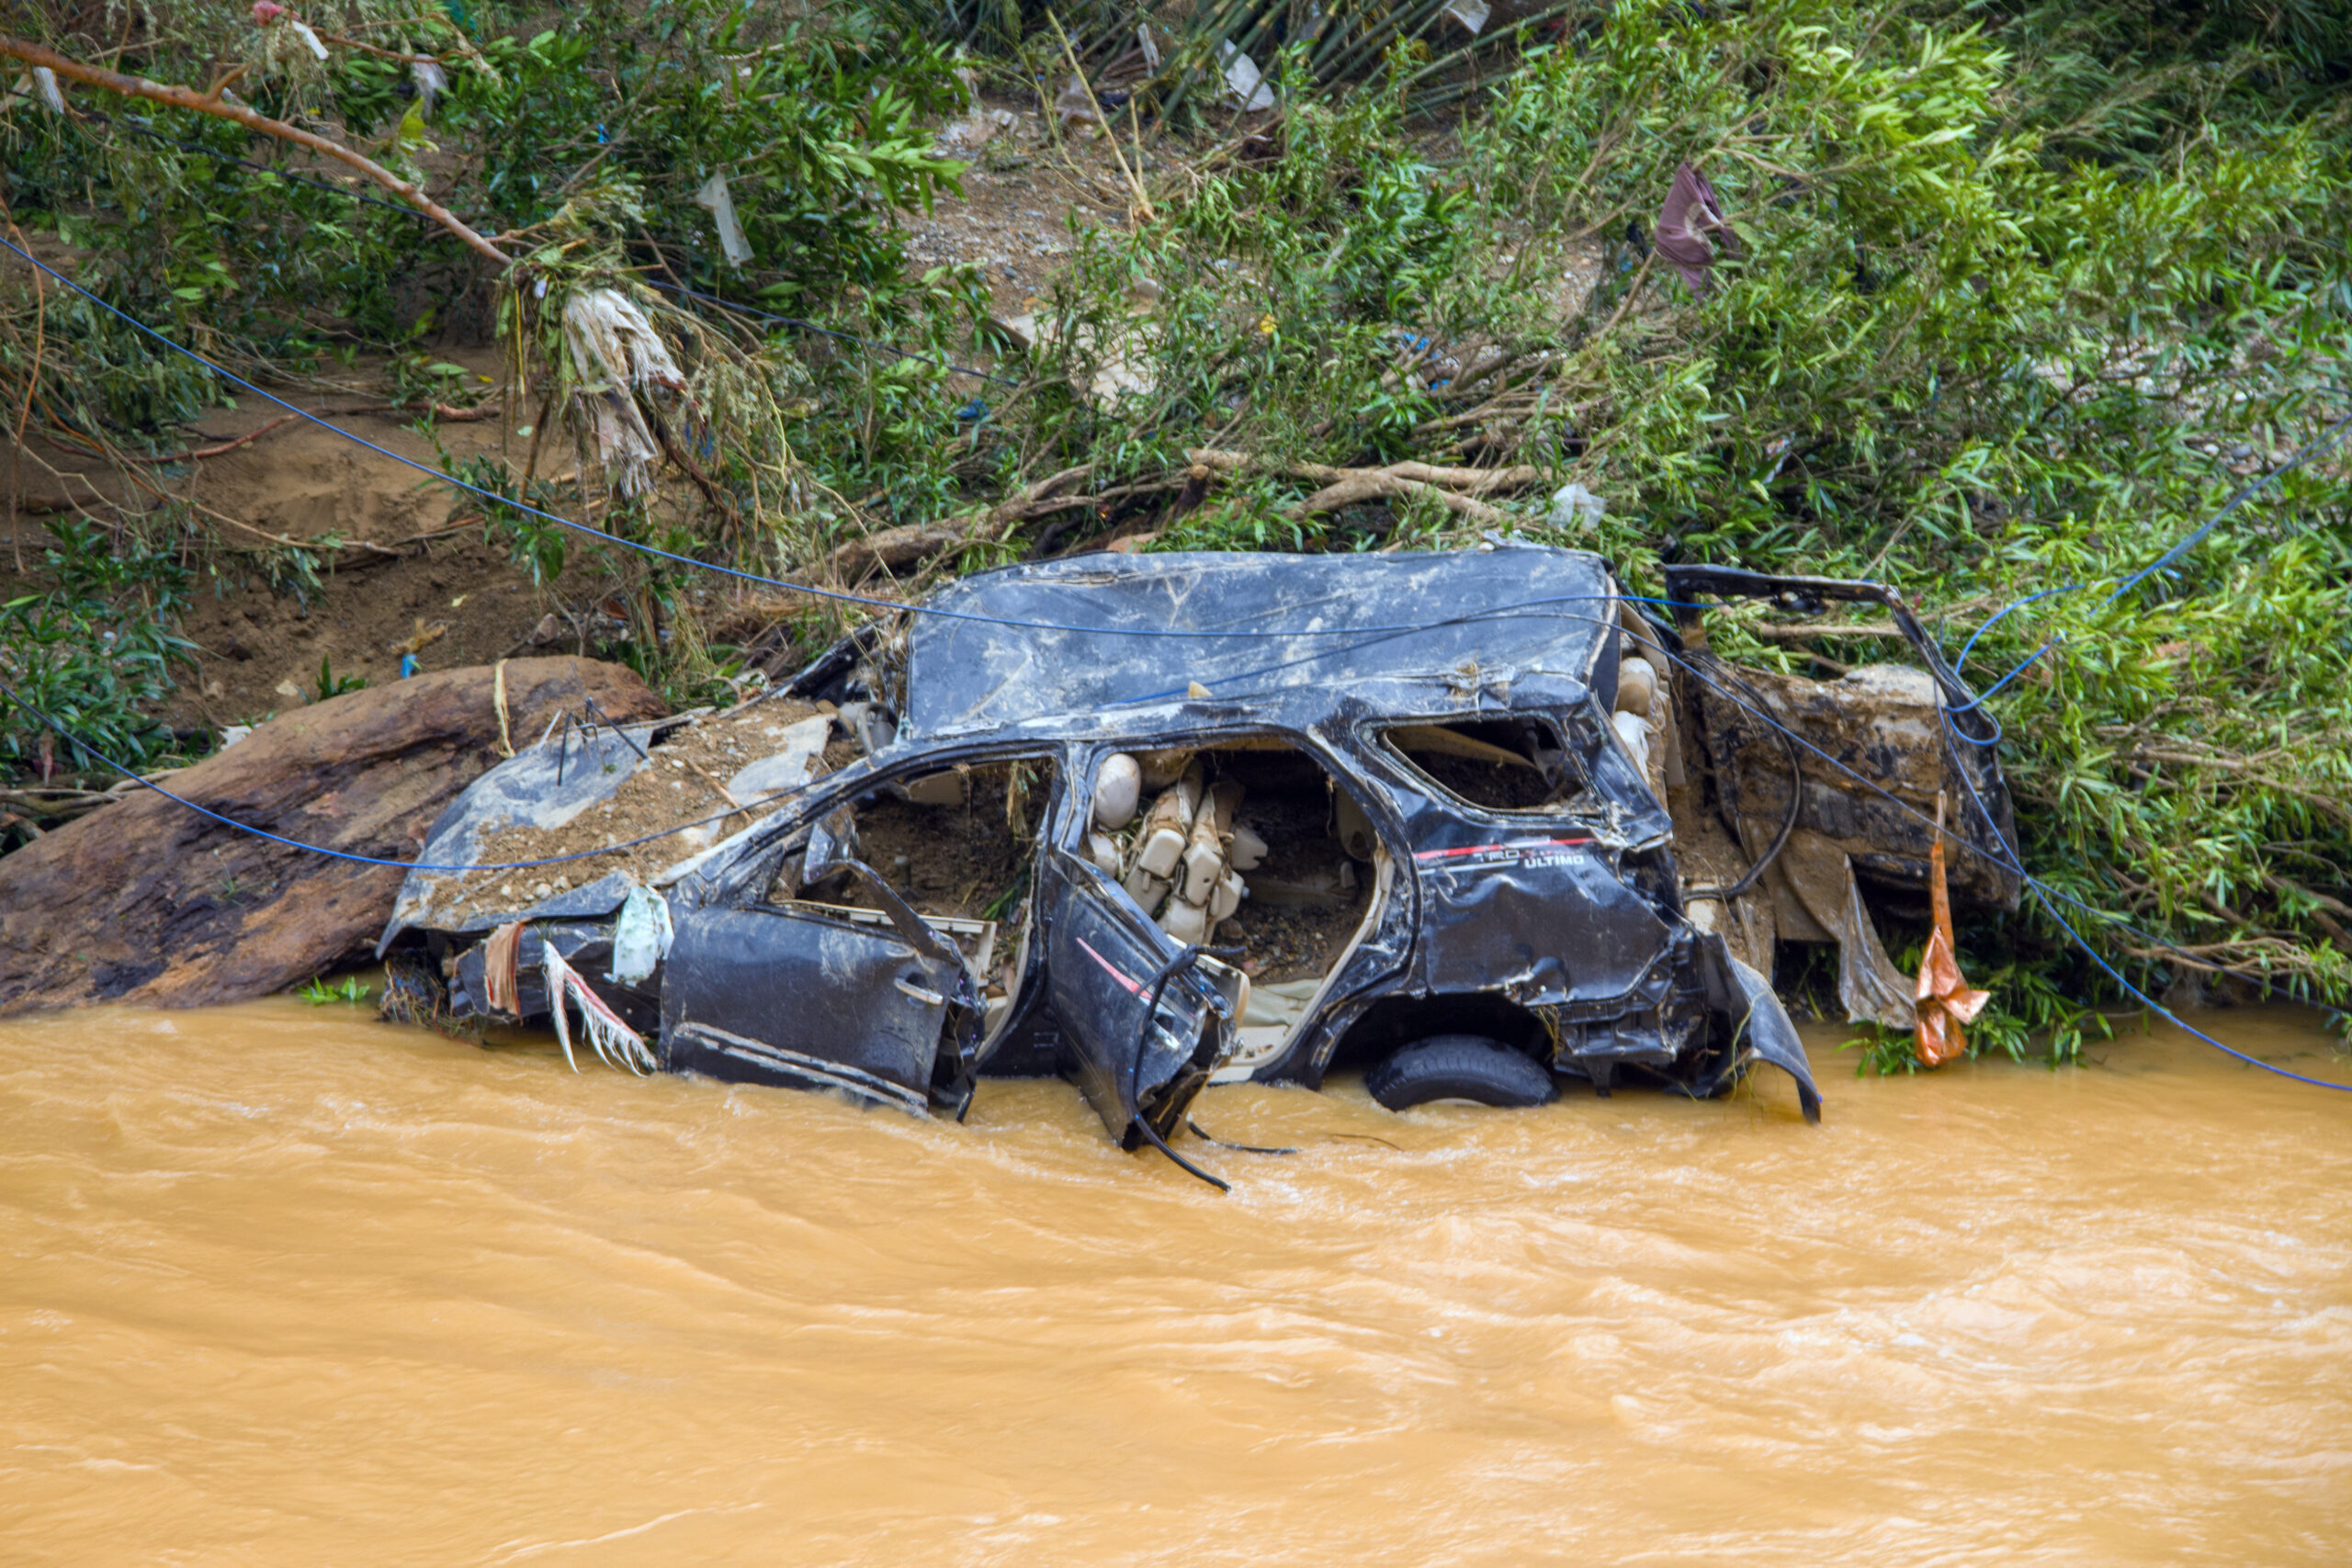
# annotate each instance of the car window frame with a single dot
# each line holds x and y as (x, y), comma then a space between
(1581, 750)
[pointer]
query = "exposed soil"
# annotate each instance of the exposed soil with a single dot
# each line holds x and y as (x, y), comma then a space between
(397, 564)
(961, 861)
(1307, 897)
(690, 767)
(956, 859)
(430, 586)
(1022, 193)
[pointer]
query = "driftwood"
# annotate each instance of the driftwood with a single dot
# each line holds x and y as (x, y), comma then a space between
(910, 544)
(146, 901)
(1457, 489)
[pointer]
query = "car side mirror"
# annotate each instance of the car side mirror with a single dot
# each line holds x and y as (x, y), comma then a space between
(830, 853)
(830, 846)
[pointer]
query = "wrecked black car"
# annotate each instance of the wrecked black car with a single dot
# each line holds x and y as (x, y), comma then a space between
(1477, 822)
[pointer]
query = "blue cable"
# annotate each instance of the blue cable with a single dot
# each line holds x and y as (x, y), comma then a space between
(2042, 892)
(836, 595)
(2244, 493)
(1970, 645)
(10, 692)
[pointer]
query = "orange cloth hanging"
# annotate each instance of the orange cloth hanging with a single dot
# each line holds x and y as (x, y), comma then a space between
(498, 956)
(1945, 1002)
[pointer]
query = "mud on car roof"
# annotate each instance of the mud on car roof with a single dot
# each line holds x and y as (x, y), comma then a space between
(1479, 823)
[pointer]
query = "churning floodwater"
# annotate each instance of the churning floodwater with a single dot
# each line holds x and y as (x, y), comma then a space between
(281, 1285)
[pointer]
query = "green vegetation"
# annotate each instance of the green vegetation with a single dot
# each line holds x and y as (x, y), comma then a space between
(351, 992)
(2024, 292)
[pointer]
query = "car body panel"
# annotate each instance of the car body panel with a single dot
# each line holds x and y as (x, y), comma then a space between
(1570, 917)
(737, 1003)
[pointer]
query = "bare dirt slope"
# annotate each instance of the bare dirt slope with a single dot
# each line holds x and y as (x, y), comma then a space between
(395, 558)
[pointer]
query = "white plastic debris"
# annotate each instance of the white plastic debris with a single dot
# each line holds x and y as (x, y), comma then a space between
(310, 40)
(615, 350)
(1634, 732)
(977, 129)
(1074, 105)
(606, 331)
(1573, 506)
(431, 81)
(612, 1039)
(1636, 686)
(234, 733)
(45, 80)
(715, 196)
(640, 936)
(1471, 14)
(1143, 41)
(1246, 88)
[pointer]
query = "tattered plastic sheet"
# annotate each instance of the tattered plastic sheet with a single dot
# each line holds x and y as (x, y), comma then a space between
(1246, 88)
(719, 202)
(617, 352)
(641, 937)
(1692, 227)
(613, 1040)
(1471, 14)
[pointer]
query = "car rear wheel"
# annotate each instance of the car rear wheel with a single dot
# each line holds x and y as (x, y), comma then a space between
(1460, 1066)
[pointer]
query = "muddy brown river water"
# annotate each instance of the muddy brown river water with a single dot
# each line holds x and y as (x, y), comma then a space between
(280, 1285)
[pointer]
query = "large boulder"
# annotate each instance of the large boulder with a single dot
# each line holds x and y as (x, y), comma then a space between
(149, 902)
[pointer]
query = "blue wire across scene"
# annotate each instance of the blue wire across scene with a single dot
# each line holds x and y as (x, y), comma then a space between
(2042, 893)
(835, 595)
(2245, 492)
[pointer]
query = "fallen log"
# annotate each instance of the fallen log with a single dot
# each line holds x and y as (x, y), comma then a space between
(146, 901)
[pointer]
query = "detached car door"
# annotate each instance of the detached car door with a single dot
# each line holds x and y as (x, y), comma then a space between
(1141, 1017)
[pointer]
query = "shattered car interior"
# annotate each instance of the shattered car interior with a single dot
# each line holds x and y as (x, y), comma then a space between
(1476, 823)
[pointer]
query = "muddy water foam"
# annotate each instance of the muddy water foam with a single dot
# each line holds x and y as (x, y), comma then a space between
(279, 1286)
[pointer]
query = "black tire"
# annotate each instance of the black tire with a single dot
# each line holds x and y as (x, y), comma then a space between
(1461, 1066)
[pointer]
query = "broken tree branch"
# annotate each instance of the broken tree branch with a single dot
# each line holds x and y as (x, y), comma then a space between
(222, 449)
(2245, 770)
(1456, 489)
(187, 98)
(1807, 632)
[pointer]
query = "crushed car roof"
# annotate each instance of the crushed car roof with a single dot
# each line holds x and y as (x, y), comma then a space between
(1033, 642)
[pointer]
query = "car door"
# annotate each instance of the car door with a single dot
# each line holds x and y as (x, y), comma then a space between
(1528, 898)
(1142, 1018)
(813, 995)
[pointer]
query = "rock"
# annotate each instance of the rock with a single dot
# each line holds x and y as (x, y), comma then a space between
(148, 902)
